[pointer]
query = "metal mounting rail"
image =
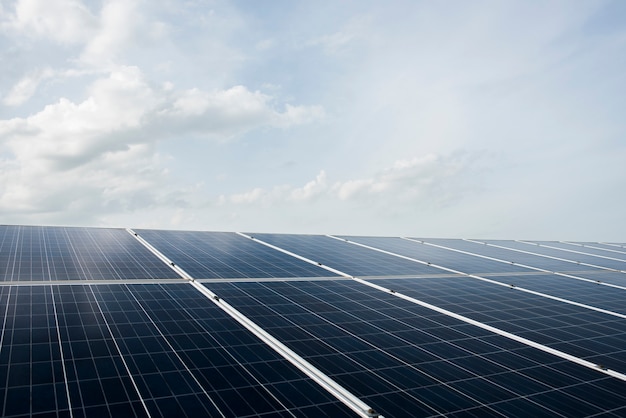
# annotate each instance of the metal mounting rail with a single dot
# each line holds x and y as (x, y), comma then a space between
(334, 388)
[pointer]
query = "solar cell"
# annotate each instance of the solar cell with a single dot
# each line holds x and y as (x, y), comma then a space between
(353, 260)
(226, 255)
(404, 359)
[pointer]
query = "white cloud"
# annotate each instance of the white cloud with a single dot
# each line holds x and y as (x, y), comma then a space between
(229, 112)
(64, 21)
(431, 180)
(118, 26)
(119, 22)
(71, 155)
(311, 189)
(26, 87)
(133, 87)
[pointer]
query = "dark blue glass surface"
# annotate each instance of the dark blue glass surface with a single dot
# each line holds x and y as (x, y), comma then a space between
(227, 255)
(453, 260)
(406, 360)
(348, 258)
(38, 253)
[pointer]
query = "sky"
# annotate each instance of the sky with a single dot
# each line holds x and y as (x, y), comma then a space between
(482, 119)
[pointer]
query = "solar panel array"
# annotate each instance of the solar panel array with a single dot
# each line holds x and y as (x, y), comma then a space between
(114, 322)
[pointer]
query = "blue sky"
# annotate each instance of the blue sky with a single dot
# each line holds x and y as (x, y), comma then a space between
(484, 119)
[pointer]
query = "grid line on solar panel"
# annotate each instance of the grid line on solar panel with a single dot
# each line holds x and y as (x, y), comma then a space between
(582, 249)
(506, 255)
(310, 333)
(438, 256)
(552, 254)
(342, 256)
(225, 255)
(35, 253)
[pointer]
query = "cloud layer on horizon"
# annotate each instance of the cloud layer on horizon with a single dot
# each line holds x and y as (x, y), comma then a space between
(405, 119)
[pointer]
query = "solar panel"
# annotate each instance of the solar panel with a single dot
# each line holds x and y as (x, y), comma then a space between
(613, 248)
(348, 258)
(209, 363)
(509, 255)
(592, 249)
(423, 362)
(140, 350)
(40, 253)
(614, 278)
(31, 365)
(107, 322)
(587, 334)
(226, 255)
(588, 293)
(434, 255)
(576, 257)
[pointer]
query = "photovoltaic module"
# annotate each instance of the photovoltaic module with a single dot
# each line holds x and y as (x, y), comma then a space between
(156, 323)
